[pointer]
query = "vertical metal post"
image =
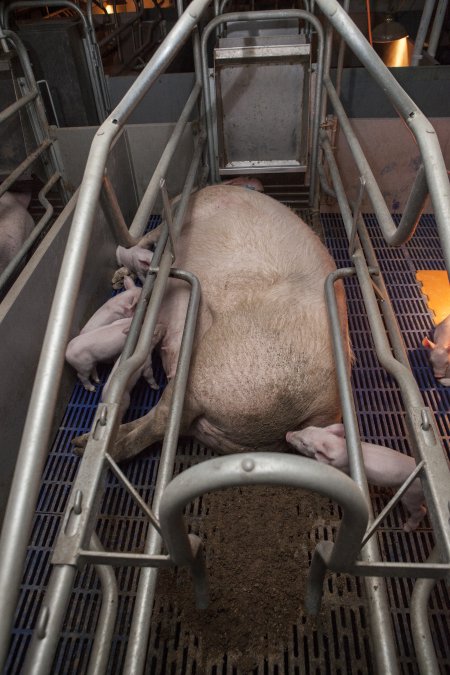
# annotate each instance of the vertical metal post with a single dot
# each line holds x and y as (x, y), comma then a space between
(422, 32)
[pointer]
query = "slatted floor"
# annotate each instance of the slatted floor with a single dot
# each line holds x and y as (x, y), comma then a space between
(341, 644)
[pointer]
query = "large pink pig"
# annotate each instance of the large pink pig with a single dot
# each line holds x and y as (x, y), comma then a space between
(440, 351)
(262, 361)
(383, 466)
(16, 225)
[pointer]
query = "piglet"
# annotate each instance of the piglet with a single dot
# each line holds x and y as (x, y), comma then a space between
(136, 259)
(246, 182)
(102, 344)
(440, 351)
(383, 466)
(121, 306)
(16, 225)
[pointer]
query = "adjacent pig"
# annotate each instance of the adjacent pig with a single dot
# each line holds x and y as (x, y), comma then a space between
(121, 306)
(383, 466)
(136, 259)
(440, 351)
(262, 360)
(16, 225)
(100, 345)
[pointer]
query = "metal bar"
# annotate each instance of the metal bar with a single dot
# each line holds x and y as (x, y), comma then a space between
(51, 616)
(423, 131)
(356, 214)
(123, 559)
(134, 493)
(34, 445)
(18, 105)
(422, 32)
(148, 200)
(439, 17)
(11, 268)
(413, 570)
(98, 660)
(167, 214)
(255, 16)
(375, 588)
(138, 636)
(384, 569)
(114, 216)
(420, 626)
(23, 166)
(392, 502)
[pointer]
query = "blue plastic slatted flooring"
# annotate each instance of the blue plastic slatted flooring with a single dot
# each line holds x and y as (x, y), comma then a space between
(122, 526)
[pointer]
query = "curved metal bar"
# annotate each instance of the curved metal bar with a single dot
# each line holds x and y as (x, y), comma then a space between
(264, 468)
(248, 16)
(423, 131)
(98, 660)
(420, 626)
(394, 236)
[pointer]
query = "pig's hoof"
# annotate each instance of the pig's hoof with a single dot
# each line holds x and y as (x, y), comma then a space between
(415, 519)
(89, 387)
(79, 444)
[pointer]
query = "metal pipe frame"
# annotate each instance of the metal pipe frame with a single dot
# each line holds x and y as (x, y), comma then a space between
(210, 110)
(424, 435)
(38, 119)
(85, 498)
(424, 133)
(425, 441)
(93, 58)
(34, 446)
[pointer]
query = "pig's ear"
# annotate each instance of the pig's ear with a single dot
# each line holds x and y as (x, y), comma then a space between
(428, 344)
(144, 262)
(337, 430)
(128, 282)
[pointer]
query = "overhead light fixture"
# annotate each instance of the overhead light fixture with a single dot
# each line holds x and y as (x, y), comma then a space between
(390, 41)
(389, 31)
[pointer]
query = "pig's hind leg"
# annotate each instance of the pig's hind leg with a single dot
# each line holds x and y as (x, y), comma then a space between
(143, 432)
(135, 436)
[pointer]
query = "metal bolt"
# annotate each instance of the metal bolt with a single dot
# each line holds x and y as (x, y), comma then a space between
(103, 416)
(41, 627)
(425, 421)
(248, 464)
(77, 504)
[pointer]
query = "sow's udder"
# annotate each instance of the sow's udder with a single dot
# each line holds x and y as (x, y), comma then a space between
(265, 365)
